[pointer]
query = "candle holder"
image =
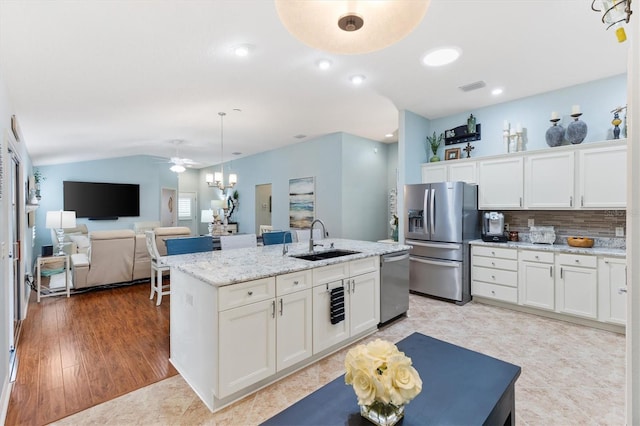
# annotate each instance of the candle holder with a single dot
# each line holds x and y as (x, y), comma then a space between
(505, 139)
(555, 134)
(520, 141)
(513, 145)
(576, 130)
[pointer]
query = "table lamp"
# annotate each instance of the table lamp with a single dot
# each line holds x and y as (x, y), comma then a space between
(59, 220)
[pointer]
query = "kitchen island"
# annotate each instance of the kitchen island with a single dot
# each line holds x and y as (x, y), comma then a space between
(242, 319)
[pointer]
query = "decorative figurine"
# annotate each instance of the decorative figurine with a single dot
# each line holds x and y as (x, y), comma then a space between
(519, 138)
(468, 149)
(576, 130)
(513, 147)
(505, 135)
(617, 121)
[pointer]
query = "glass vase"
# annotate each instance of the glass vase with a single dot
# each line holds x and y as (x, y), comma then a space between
(382, 414)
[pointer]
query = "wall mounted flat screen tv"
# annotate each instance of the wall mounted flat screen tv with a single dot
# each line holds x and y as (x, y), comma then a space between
(97, 200)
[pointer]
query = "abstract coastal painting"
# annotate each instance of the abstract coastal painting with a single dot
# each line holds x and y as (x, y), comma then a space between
(301, 202)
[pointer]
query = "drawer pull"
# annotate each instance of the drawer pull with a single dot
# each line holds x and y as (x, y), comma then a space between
(296, 282)
(537, 257)
(493, 253)
(577, 260)
(250, 293)
(493, 277)
(493, 292)
(493, 263)
(622, 290)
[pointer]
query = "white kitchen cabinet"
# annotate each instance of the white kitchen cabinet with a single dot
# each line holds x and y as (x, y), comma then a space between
(577, 285)
(364, 304)
(247, 346)
(452, 171)
(434, 172)
(602, 177)
(494, 273)
(612, 289)
(463, 171)
(536, 282)
(500, 183)
(326, 334)
(294, 342)
(549, 180)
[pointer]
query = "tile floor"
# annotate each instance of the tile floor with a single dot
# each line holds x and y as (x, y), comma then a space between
(570, 374)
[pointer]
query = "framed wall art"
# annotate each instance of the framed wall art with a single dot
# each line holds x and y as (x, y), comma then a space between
(301, 202)
(452, 154)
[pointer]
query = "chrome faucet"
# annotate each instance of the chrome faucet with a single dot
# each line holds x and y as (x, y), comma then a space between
(285, 250)
(324, 232)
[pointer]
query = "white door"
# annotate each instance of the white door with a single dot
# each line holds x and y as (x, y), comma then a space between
(187, 211)
(612, 287)
(434, 173)
(293, 328)
(500, 184)
(247, 346)
(549, 180)
(463, 172)
(169, 207)
(364, 304)
(536, 286)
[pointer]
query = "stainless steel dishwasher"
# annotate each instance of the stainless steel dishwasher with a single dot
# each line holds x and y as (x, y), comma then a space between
(394, 285)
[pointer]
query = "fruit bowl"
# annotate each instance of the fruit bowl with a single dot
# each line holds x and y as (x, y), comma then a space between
(580, 242)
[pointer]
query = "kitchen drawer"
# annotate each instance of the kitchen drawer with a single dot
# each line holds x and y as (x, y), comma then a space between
(505, 253)
(330, 273)
(241, 294)
(364, 266)
(495, 276)
(295, 281)
(583, 260)
(536, 256)
(492, 291)
(493, 262)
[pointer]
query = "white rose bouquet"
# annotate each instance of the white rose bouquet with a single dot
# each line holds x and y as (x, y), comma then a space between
(379, 372)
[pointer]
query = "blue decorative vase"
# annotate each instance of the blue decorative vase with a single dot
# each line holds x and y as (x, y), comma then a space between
(576, 130)
(555, 134)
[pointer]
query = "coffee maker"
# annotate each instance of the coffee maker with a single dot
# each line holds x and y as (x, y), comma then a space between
(493, 227)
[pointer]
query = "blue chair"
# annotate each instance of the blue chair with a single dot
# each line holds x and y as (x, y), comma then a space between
(269, 238)
(189, 245)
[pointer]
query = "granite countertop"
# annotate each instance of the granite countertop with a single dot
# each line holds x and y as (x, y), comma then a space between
(220, 268)
(601, 251)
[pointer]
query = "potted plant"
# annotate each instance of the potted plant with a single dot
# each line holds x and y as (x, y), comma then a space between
(433, 143)
(38, 178)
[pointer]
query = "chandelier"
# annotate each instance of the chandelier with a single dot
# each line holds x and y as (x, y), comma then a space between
(217, 179)
(350, 27)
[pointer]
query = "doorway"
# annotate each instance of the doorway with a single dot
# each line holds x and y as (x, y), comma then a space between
(169, 207)
(187, 211)
(263, 206)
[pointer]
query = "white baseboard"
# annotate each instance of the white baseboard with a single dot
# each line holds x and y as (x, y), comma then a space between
(4, 399)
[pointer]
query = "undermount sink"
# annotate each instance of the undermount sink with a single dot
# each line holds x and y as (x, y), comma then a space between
(322, 255)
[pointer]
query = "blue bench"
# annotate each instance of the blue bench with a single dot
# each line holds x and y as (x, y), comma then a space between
(184, 245)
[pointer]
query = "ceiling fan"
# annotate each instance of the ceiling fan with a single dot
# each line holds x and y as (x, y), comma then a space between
(178, 162)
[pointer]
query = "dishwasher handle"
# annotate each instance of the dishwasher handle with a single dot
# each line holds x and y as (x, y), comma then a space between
(388, 259)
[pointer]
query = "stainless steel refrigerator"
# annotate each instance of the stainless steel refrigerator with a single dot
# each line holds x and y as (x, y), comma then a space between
(441, 220)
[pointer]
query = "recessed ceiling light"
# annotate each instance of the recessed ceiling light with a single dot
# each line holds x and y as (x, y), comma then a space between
(388, 135)
(357, 80)
(497, 91)
(324, 64)
(236, 153)
(443, 56)
(242, 50)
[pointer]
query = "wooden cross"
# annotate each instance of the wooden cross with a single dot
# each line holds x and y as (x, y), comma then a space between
(468, 149)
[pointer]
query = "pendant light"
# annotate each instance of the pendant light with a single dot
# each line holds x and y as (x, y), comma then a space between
(217, 179)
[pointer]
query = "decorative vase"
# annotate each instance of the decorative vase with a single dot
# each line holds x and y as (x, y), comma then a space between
(471, 124)
(576, 130)
(382, 414)
(394, 233)
(616, 123)
(434, 159)
(555, 133)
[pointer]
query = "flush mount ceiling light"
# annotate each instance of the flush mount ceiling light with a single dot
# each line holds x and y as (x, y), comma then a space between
(350, 27)
(242, 50)
(497, 91)
(324, 64)
(357, 80)
(440, 57)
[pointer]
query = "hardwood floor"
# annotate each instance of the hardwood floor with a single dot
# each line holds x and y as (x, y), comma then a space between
(78, 352)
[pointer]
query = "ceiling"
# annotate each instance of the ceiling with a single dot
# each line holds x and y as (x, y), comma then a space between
(98, 79)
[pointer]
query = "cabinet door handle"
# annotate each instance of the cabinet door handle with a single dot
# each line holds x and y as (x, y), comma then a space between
(571, 201)
(551, 271)
(622, 290)
(561, 273)
(582, 201)
(273, 309)
(281, 307)
(520, 201)
(353, 283)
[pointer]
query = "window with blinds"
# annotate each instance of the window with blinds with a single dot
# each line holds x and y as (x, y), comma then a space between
(184, 208)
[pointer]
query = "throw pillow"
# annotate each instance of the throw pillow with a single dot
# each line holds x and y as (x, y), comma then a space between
(81, 241)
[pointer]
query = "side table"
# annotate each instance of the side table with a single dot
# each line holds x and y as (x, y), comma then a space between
(45, 260)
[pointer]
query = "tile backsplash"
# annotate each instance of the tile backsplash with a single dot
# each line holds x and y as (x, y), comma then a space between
(598, 224)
